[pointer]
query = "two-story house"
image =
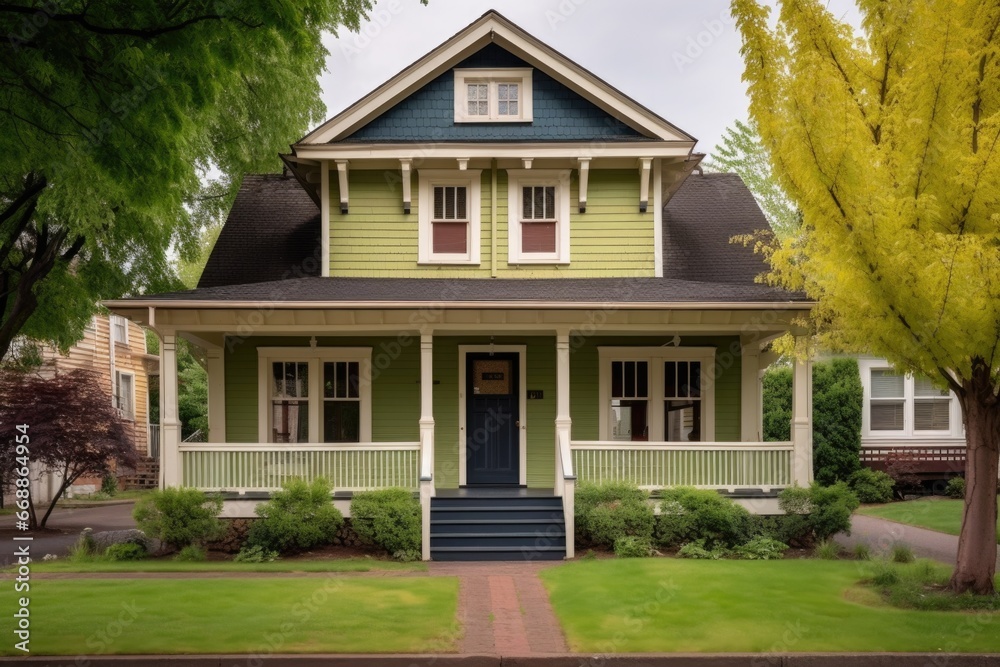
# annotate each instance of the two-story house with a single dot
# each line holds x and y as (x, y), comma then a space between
(493, 277)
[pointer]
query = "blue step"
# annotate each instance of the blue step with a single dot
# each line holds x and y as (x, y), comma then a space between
(497, 527)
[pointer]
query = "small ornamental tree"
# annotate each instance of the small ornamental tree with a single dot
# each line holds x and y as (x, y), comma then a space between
(73, 429)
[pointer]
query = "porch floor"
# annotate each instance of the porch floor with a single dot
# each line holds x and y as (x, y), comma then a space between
(495, 492)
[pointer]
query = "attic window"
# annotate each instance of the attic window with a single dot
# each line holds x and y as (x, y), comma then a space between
(493, 95)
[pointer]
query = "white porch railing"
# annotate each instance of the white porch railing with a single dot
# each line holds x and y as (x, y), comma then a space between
(264, 467)
(713, 465)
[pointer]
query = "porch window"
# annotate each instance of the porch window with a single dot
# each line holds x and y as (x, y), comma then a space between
(629, 400)
(290, 401)
(449, 212)
(315, 394)
(538, 202)
(657, 393)
(888, 400)
(682, 404)
(341, 401)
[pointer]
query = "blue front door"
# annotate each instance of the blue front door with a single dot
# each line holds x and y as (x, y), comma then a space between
(492, 412)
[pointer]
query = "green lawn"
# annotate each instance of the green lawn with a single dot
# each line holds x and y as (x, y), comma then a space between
(940, 514)
(166, 565)
(668, 605)
(255, 616)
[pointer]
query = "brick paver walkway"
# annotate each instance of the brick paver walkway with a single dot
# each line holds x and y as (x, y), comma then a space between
(504, 609)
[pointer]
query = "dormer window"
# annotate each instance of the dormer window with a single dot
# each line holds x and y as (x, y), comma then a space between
(493, 95)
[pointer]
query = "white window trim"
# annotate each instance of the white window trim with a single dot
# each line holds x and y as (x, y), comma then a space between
(956, 428)
(314, 356)
(522, 352)
(519, 75)
(115, 319)
(656, 356)
(428, 178)
(518, 178)
(117, 379)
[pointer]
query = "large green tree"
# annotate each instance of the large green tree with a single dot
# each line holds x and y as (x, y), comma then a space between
(887, 139)
(112, 113)
(743, 153)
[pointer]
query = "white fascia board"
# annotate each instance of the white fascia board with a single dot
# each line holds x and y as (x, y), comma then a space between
(493, 28)
(419, 152)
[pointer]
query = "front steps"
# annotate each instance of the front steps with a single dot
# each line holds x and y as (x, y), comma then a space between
(145, 476)
(497, 527)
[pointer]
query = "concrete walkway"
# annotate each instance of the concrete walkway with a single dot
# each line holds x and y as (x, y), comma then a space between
(64, 527)
(881, 534)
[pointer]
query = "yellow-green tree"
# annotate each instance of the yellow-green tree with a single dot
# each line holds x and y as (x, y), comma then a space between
(888, 141)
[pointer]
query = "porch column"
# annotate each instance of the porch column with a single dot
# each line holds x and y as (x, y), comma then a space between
(170, 436)
(802, 454)
(563, 421)
(216, 395)
(750, 392)
(426, 440)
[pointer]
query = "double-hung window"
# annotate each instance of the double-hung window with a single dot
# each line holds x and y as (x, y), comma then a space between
(658, 394)
(493, 95)
(538, 216)
(125, 395)
(449, 210)
(119, 329)
(897, 404)
(315, 395)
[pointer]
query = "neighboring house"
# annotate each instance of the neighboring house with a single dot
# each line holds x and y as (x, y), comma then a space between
(908, 422)
(115, 349)
(491, 279)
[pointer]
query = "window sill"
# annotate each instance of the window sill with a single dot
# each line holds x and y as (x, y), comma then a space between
(477, 119)
(448, 262)
(536, 262)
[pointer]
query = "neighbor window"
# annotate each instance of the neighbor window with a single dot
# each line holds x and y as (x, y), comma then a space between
(449, 212)
(119, 329)
(656, 394)
(315, 394)
(493, 95)
(124, 399)
(899, 404)
(538, 210)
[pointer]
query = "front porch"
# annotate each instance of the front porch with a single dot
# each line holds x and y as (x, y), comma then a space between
(480, 399)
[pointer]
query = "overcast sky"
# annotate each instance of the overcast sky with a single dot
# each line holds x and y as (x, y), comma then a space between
(680, 58)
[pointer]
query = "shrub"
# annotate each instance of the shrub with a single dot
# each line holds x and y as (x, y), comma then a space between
(698, 550)
(300, 516)
(125, 551)
(828, 550)
(761, 548)
(192, 553)
(633, 547)
(390, 519)
(688, 514)
(871, 486)
(109, 485)
(902, 467)
(179, 517)
(884, 573)
(822, 511)
(607, 512)
(84, 548)
(862, 551)
(902, 553)
(407, 555)
(255, 554)
(837, 409)
(955, 488)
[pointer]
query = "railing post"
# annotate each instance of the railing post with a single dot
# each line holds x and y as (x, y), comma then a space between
(802, 452)
(569, 516)
(170, 436)
(426, 492)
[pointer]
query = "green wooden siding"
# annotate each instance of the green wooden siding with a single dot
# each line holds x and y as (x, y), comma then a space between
(396, 392)
(611, 239)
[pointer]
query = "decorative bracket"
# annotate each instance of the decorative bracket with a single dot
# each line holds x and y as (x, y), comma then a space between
(584, 178)
(342, 173)
(646, 164)
(404, 166)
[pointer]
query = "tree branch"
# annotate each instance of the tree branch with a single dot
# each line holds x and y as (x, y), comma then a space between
(143, 33)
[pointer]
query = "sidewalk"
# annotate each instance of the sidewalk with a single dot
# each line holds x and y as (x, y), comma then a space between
(881, 534)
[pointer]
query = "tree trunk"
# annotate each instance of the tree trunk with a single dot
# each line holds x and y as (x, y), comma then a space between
(977, 543)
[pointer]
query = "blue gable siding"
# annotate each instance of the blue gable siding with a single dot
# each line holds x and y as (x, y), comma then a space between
(559, 114)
